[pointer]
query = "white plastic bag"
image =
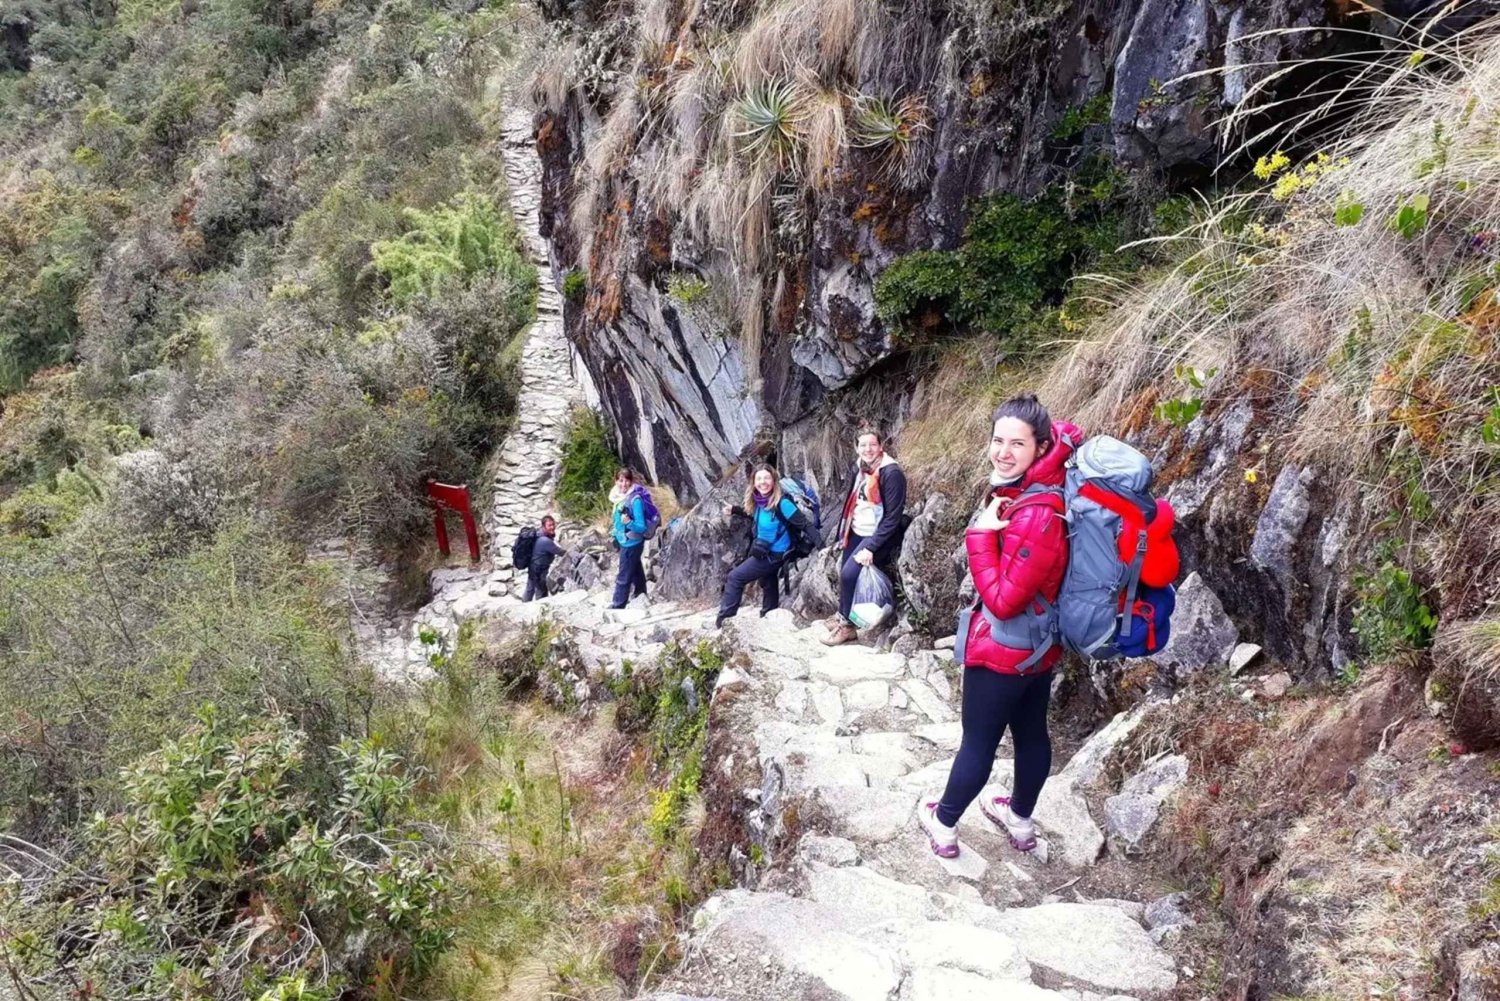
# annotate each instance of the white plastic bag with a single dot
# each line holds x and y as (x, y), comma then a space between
(873, 598)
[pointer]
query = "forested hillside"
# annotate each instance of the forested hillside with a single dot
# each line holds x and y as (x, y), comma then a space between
(258, 280)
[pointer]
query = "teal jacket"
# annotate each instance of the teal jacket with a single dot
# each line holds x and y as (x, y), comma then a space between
(768, 527)
(629, 517)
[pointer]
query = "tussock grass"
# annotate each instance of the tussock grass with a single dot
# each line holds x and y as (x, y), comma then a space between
(1354, 296)
(1477, 644)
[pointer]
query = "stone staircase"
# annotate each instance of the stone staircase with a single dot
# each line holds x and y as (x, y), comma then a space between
(863, 909)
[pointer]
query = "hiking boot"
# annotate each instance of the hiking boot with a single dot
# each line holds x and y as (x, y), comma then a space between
(840, 634)
(942, 838)
(1020, 830)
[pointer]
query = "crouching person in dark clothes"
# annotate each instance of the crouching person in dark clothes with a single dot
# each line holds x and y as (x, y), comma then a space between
(773, 519)
(542, 554)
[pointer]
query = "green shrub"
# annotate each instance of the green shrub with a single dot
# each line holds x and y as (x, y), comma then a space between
(236, 866)
(576, 285)
(39, 511)
(1011, 272)
(1390, 614)
(111, 640)
(923, 278)
(448, 245)
(1094, 111)
(588, 467)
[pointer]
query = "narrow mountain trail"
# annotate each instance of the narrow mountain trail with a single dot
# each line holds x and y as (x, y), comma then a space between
(528, 463)
(844, 740)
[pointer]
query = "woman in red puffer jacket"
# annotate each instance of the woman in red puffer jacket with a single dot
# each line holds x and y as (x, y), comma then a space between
(1018, 551)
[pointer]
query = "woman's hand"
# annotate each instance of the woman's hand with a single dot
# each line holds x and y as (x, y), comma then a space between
(728, 511)
(864, 557)
(989, 518)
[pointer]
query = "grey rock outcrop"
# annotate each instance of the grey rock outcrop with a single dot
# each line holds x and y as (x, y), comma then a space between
(1202, 634)
(700, 549)
(916, 562)
(1130, 816)
(687, 391)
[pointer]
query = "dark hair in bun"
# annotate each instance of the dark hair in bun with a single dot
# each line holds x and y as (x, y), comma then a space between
(1026, 407)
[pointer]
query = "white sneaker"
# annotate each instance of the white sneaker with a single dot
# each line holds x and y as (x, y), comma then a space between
(1021, 830)
(944, 839)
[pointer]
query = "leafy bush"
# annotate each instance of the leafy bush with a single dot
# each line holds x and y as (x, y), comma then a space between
(588, 467)
(466, 238)
(1012, 269)
(1094, 111)
(234, 867)
(111, 639)
(1390, 614)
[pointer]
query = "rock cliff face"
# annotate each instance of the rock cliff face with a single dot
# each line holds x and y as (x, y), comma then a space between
(1010, 103)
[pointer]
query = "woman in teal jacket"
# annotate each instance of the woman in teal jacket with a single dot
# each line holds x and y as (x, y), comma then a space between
(772, 517)
(629, 532)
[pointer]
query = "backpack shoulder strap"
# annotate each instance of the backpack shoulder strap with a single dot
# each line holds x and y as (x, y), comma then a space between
(786, 523)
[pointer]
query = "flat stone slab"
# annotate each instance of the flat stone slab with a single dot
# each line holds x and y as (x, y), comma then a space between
(847, 664)
(945, 984)
(1096, 944)
(802, 936)
(871, 815)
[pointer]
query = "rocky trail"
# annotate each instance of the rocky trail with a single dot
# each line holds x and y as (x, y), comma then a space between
(830, 750)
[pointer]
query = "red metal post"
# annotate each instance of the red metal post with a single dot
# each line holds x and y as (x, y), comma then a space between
(455, 498)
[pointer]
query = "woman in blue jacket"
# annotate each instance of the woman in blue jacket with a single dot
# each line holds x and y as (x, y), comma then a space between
(772, 517)
(629, 532)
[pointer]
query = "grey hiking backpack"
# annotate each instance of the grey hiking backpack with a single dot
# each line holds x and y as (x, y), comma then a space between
(1117, 596)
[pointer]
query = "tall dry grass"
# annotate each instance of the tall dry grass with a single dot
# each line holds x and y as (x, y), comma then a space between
(1357, 289)
(672, 132)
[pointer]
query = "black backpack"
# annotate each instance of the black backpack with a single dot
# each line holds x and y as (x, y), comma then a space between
(521, 549)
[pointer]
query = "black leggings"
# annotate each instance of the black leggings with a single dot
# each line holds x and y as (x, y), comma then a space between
(754, 568)
(993, 701)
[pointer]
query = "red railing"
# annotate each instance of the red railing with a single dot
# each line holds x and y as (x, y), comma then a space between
(454, 498)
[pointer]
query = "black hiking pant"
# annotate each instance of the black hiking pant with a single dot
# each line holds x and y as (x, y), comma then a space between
(536, 583)
(993, 701)
(631, 580)
(760, 568)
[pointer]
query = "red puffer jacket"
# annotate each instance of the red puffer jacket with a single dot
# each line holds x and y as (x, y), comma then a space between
(1027, 557)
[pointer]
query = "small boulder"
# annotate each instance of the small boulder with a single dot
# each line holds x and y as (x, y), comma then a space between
(1130, 816)
(1242, 656)
(1202, 634)
(1276, 685)
(1166, 911)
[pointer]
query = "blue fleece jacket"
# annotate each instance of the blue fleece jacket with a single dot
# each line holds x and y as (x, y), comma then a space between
(630, 517)
(768, 527)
